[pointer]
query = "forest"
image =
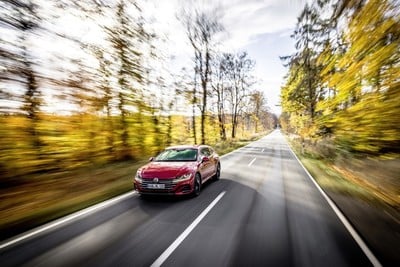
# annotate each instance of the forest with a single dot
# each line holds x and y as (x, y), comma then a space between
(342, 89)
(76, 98)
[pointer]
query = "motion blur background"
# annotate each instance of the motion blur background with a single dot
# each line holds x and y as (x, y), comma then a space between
(91, 89)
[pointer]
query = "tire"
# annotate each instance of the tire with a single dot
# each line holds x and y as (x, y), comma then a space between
(218, 172)
(197, 185)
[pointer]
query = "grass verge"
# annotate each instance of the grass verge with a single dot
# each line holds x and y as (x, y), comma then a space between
(48, 196)
(372, 180)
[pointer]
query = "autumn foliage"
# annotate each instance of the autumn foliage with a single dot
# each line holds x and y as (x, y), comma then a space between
(343, 81)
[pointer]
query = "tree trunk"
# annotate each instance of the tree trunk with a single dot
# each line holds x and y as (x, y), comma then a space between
(221, 119)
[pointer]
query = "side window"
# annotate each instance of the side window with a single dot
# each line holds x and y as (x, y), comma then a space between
(205, 152)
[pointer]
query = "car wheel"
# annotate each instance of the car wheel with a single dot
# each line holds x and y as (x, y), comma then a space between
(218, 172)
(197, 185)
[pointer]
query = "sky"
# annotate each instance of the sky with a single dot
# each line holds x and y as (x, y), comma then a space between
(260, 27)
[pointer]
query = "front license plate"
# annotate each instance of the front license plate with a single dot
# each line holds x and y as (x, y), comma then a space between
(156, 186)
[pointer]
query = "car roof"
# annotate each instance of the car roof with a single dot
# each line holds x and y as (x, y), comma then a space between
(186, 146)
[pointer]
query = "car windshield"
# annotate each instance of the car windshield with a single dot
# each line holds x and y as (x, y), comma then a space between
(185, 154)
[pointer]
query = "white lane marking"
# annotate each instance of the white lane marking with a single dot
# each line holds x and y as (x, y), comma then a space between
(66, 219)
(160, 260)
(262, 150)
(251, 162)
(375, 262)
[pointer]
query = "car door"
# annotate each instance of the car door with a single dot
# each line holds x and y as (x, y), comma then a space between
(206, 167)
(214, 158)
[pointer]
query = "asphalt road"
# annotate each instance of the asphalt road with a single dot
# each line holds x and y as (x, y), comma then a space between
(264, 211)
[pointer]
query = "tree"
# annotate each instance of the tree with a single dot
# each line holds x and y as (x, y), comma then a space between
(258, 106)
(104, 105)
(126, 37)
(201, 29)
(239, 68)
(343, 75)
(219, 84)
(19, 62)
(303, 88)
(364, 86)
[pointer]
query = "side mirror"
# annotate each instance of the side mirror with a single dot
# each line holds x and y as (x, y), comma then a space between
(205, 159)
(151, 158)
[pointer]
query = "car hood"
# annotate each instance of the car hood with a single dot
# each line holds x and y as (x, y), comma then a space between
(166, 170)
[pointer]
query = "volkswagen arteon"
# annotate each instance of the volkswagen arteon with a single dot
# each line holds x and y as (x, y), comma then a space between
(178, 170)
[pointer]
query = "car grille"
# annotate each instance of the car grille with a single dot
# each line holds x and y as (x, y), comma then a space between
(168, 184)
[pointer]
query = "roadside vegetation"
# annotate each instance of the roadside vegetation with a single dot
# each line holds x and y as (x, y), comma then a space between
(374, 180)
(342, 86)
(341, 98)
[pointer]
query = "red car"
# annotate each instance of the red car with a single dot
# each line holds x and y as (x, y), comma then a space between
(178, 170)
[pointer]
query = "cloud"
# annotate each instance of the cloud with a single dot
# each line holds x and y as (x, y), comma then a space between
(246, 20)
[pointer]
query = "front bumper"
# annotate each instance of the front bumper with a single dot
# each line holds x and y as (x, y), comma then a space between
(169, 188)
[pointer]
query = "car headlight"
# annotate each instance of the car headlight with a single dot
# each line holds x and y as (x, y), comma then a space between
(138, 177)
(183, 178)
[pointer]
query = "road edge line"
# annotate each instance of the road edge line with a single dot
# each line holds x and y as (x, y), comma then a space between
(58, 222)
(368, 253)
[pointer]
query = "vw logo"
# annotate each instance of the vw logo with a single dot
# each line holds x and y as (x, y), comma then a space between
(155, 180)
